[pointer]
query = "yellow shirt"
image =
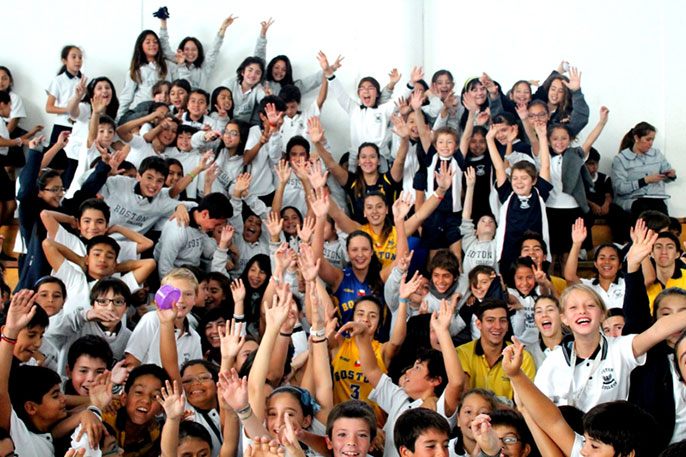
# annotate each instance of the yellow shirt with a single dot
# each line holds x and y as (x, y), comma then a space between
(147, 445)
(384, 251)
(484, 376)
(349, 381)
(559, 283)
(678, 279)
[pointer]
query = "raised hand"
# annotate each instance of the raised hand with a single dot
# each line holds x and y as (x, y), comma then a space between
(230, 340)
(179, 57)
(574, 83)
(172, 400)
(407, 288)
(265, 26)
(274, 224)
(578, 231)
(167, 315)
(211, 174)
(416, 100)
(20, 312)
(404, 262)
(402, 206)
(468, 102)
(305, 233)
(522, 111)
(541, 130)
(120, 372)
(227, 22)
(444, 178)
(319, 202)
(642, 246)
(283, 171)
(100, 392)
(80, 88)
(281, 259)
(226, 236)
(470, 177)
(308, 267)
(35, 141)
(486, 438)
(337, 63)
(483, 117)
(440, 321)
(394, 76)
(604, 113)
(63, 139)
(288, 437)
(512, 357)
(416, 75)
(488, 83)
(242, 185)
(233, 390)
(315, 129)
(401, 128)
(314, 174)
(402, 106)
(354, 328)
(277, 313)
(273, 116)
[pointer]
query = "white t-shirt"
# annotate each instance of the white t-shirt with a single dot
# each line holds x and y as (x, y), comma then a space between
(62, 88)
(679, 404)
(394, 401)
(140, 150)
(4, 133)
(27, 443)
(127, 249)
(144, 343)
(596, 380)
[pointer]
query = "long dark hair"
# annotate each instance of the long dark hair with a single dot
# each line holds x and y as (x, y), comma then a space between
(564, 108)
(470, 84)
(215, 96)
(252, 306)
(640, 130)
(63, 56)
(373, 278)
(249, 61)
(113, 107)
(288, 77)
(359, 184)
(387, 222)
(211, 316)
(139, 58)
(243, 131)
(201, 52)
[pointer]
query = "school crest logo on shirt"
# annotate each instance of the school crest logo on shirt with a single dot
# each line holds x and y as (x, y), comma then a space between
(377, 117)
(480, 170)
(608, 376)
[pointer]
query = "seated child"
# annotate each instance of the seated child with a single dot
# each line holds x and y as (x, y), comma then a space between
(614, 322)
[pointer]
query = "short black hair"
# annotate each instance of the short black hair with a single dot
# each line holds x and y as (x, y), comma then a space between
(624, 426)
(30, 383)
(92, 346)
(186, 128)
(39, 319)
(446, 260)
(217, 205)
(290, 93)
(201, 92)
(97, 204)
(352, 409)
(107, 120)
(670, 236)
(413, 423)
(143, 370)
(505, 118)
(297, 140)
(102, 239)
(279, 104)
(489, 304)
(512, 418)
(531, 235)
(190, 429)
(116, 285)
(154, 163)
(208, 366)
(655, 220)
(668, 292)
(182, 83)
(435, 367)
(246, 62)
(593, 155)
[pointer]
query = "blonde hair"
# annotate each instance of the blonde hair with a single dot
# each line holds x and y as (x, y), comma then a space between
(181, 273)
(584, 288)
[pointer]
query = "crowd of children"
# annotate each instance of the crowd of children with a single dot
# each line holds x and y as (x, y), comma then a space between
(421, 296)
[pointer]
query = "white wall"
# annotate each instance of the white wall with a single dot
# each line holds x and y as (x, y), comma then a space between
(630, 52)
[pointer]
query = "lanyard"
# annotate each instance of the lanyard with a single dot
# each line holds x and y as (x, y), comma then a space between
(574, 394)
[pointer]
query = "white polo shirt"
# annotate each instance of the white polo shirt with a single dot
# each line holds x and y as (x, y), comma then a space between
(394, 401)
(27, 443)
(599, 379)
(613, 297)
(144, 343)
(62, 88)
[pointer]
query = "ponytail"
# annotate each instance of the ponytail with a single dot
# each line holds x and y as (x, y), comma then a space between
(641, 129)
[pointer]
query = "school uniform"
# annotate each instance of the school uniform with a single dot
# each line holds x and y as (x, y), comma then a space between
(28, 443)
(297, 125)
(394, 401)
(539, 352)
(260, 168)
(482, 375)
(335, 251)
(147, 331)
(131, 209)
(79, 132)
(198, 77)
(179, 245)
(6, 185)
(5, 134)
(367, 124)
(576, 118)
(17, 110)
(613, 296)
(567, 199)
(189, 160)
(127, 249)
(294, 195)
(62, 87)
(476, 252)
(244, 103)
(519, 214)
(229, 167)
(523, 325)
(678, 279)
(141, 150)
(205, 120)
(484, 186)
(136, 92)
(211, 421)
(384, 184)
(604, 377)
(220, 122)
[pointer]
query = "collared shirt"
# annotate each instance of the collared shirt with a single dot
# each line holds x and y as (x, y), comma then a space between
(678, 279)
(147, 444)
(628, 168)
(613, 296)
(483, 375)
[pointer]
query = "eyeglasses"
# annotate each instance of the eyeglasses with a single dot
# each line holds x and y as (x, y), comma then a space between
(199, 379)
(231, 132)
(114, 451)
(539, 115)
(56, 190)
(509, 440)
(118, 302)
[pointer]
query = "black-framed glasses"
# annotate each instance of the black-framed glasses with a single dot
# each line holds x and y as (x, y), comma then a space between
(118, 302)
(55, 190)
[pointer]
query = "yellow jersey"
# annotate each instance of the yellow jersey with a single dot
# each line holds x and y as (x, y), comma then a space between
(385, 251)
(349, 381)
(678, 279)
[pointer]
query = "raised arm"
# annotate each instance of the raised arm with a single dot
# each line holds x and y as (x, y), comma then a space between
(174, 404)
(52, 220)
(341, 219)
(316, 133)
(319, 202)
(73, 104)
(636, 303)
(125, 131)
(444, 179)
(659, 331)
(597, 130)
(403, 131)
(399, 331)
(182, 183)
(440, 322)
(320, 353)
(578, 236)
(143, 243)
(57, 253)
(141, 268)
(168, 352)
(543, 152)
(422, 128)
(62, 141)
(498, 163)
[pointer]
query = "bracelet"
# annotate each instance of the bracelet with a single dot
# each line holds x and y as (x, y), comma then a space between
(287, 335)
(95, 410)
(437, 196)
(318, 333)
(403, 300)
(273, 125)
(244, 410)
(320, 341)
(239, 317)
(192, 175)
(9, 340)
